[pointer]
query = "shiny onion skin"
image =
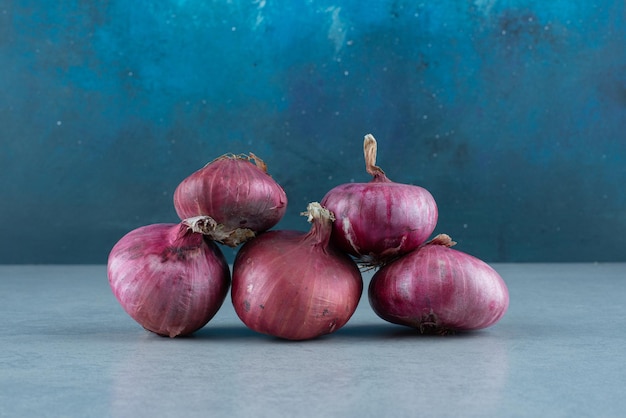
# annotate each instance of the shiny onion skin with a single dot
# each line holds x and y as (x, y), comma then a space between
(293, 285)
(239, 195)
(169, 279)
(438, 290)
(380, 220)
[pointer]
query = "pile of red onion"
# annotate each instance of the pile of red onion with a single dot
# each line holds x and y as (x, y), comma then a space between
(425, 285)
(172, 278)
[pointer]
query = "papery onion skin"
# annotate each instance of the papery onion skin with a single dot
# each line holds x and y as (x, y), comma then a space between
(169, 279)
(437, 289)
(239, 195)
(380, 220)
(293, 285)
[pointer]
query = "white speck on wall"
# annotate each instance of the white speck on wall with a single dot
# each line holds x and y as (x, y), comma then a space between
(59, 123)
(484, 6)
(259, 20)
(336, 31)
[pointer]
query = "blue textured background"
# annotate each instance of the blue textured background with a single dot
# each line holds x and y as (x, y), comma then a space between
(512, 113)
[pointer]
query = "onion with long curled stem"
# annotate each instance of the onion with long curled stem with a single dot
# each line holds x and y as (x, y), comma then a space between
(380, 220)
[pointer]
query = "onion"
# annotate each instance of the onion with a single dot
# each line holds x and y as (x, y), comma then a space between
(294, 285)
(238, 195)
(168, 278)
(437, 289)
(380, 220)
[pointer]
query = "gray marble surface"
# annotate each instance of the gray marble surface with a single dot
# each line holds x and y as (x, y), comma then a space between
(68, 350)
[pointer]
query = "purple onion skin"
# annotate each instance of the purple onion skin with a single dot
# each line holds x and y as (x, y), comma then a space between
(170, 280)
(380, 220)
(292, 285)
(437, 289)
(234, 192)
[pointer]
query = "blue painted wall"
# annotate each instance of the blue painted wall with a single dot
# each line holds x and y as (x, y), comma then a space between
(512, 113)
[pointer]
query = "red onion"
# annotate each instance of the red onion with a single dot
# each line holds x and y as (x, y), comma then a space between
(380, 220)
(437, 289)
(294, 285)
(239, 196)
(168, 278)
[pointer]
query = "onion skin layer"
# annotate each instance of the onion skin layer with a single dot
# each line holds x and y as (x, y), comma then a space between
(380, 220)
(292, 285)
(238, 194)
(437, 289)
(170, 280)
